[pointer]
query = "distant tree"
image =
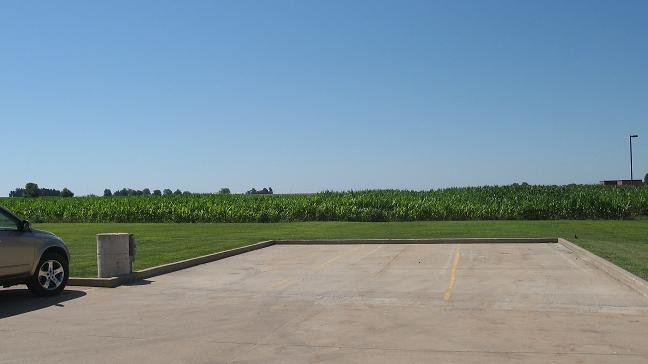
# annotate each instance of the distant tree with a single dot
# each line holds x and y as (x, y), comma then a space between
(18, 192)
(186, 193)
(646, 179)
(167, 192)
(146, 192)
(224, 191)
(177, 192)
(31, 190)
(67, 193)
(264, 191)
(157, 193)
(49, 192)
(107, 192)
(22, 192)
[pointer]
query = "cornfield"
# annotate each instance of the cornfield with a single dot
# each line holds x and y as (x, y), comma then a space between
(470, 203)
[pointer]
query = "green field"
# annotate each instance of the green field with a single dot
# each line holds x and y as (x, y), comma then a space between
(516, 202)
(624, 243)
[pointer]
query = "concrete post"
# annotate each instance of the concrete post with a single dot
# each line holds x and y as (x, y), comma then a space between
(113, 255)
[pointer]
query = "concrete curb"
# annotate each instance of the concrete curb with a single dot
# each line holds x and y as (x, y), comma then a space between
(97, 282)
(420, 241)
(166, 268)
(608, 267)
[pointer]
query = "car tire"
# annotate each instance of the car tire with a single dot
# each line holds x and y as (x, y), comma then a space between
(51, 275)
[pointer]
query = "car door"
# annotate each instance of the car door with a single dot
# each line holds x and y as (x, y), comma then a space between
(16, 251)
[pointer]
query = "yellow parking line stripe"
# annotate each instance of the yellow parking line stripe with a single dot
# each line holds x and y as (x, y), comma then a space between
(326, 263)
(288, 281)
(281, 284)
(453, 274)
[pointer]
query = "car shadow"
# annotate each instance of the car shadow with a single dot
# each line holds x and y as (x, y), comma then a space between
(18, 301)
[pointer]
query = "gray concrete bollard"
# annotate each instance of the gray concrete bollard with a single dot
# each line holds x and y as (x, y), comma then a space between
(114, 254)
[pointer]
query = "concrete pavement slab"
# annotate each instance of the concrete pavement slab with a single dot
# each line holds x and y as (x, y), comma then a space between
(360, 303)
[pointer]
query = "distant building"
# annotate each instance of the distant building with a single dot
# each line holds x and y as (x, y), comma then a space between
(622, 182)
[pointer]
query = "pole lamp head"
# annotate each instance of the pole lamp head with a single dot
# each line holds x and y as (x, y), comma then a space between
(634, 136)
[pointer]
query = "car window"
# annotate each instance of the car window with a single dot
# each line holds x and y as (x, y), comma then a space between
(6, 222)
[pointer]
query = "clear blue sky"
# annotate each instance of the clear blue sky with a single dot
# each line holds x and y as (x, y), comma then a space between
(311, 95)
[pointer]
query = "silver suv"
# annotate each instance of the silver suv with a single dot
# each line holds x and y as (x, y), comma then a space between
(36, 258)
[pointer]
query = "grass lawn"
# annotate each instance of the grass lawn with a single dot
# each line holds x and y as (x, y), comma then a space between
(624, 243)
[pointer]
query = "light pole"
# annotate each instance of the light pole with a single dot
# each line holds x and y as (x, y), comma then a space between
(631, 174)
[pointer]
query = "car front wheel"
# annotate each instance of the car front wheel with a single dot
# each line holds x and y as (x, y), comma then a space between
(51, 275)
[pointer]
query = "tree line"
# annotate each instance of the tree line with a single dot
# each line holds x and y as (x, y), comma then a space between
(148, 192)
(264, 191)
(32, 190)
(144, 192)
(168, 192)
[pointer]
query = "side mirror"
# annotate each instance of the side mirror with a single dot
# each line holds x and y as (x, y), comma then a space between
(25, 226)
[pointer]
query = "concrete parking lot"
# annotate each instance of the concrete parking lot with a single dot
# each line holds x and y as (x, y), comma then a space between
(446, 303)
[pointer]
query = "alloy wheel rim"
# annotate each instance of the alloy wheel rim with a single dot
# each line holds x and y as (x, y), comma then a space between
(51, 275)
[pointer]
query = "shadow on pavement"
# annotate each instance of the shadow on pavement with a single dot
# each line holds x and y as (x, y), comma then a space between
(18, 301)
(141, 282)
